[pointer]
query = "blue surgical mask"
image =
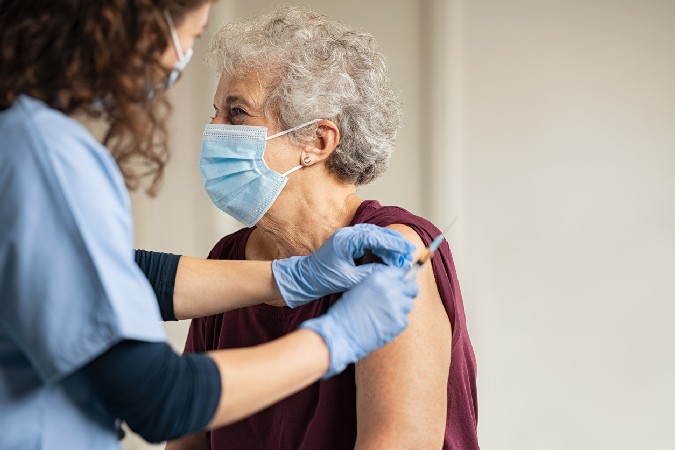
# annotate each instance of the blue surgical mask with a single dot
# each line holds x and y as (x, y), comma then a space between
(234, 173)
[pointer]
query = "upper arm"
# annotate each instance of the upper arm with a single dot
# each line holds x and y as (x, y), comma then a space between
(402, 387)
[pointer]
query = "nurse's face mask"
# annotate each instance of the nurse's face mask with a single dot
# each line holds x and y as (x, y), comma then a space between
(179, 66)
(234, 173)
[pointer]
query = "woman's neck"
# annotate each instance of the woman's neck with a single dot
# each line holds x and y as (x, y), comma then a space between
(298, 223)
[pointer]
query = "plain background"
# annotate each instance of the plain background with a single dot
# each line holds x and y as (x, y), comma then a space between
(548, 127)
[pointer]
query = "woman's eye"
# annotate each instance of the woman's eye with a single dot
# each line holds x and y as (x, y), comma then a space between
(237, 112)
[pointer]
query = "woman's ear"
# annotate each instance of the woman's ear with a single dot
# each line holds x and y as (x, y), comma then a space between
(326, 139)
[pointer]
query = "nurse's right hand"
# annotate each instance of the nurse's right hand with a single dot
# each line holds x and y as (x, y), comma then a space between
(367, 316)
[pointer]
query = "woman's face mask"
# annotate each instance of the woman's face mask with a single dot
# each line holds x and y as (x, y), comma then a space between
(234, 173)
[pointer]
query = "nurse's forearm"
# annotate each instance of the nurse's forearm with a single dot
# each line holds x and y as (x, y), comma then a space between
(164, 396)
(256, 377)
(205, 286)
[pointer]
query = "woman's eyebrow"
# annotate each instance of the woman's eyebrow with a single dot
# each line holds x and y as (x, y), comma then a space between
(230, 99)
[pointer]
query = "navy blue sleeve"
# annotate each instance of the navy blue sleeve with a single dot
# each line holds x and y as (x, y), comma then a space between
(159, 394)
(160, 269)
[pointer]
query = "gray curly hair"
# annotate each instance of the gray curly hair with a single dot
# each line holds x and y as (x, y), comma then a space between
(319, 68)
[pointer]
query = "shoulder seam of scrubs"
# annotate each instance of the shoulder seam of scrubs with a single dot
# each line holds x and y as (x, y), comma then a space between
(57, 191)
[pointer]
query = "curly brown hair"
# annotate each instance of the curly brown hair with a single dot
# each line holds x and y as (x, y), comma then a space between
(96, 58)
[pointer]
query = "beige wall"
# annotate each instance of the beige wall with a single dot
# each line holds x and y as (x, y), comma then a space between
(549, 128)
(569, 150)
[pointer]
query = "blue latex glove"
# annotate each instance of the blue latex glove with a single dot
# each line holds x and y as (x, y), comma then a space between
(366, 317)
(331, 268)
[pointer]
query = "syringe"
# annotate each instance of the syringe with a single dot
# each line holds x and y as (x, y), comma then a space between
(428, 252)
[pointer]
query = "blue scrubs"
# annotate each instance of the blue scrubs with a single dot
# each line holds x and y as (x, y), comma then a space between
(69, 286)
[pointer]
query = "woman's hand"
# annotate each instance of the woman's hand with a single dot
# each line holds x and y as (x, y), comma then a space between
(332, 268)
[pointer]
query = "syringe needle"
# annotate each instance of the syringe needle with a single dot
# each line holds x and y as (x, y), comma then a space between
(447, 229)
(428, 252)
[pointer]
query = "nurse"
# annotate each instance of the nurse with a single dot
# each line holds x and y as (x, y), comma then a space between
(81, 345)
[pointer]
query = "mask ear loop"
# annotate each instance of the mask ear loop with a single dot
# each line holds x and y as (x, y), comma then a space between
(174, 35)
(298, 167)
(302, 125)
(288, 172)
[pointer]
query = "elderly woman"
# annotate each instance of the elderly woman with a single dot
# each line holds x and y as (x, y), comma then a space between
(304, 114)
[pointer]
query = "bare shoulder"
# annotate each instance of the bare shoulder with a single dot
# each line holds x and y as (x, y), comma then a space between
(402, 387)
(426, 275)
(410, 234)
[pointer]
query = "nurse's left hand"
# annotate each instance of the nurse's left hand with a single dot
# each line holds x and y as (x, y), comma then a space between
(332, 267)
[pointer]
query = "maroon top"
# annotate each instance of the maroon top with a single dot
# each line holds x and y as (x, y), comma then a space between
(323, 416)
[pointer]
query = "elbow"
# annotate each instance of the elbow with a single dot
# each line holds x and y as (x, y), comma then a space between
(153, 433)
